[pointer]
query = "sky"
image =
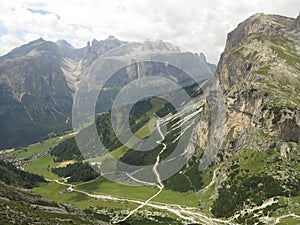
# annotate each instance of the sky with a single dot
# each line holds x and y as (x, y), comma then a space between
(195, 25)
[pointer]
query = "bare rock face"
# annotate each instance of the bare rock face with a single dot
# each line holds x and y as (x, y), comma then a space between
(259, 76)
(298, 21)
(259, 24)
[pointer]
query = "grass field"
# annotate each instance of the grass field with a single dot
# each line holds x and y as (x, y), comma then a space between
(52, 190)
(39, 146)
(289, 220)
(42, 166)
(106, 187)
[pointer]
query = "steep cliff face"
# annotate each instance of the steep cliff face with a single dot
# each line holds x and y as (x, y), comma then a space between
(259, 75)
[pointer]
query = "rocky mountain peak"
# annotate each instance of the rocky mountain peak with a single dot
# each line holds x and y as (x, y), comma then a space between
(111, 37)
(159, 45)
(38, 45)
(39, 40)
(260, 24)
(106, 44)
(66, 50)
(63, 42)
(202, 57)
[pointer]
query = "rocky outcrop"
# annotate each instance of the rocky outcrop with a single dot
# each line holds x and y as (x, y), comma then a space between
(259, 24)
(297, 23)
(259, 76)
(66, 50)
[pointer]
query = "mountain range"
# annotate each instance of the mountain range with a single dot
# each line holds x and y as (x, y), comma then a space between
(38, 81)
(241, 163)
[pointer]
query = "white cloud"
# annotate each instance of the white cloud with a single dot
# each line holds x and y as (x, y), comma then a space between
(195, 25)
(8, 41)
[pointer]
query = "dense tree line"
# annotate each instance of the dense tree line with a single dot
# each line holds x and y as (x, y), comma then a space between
(178, 182)
(166, 109)
(66, 150)
(195, 177)
(190, 179)
(77, 172)
(140, 158)
(11, 175)
(140, 108)
(106, 132)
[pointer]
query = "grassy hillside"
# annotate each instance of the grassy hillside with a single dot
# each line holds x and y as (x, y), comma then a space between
(23, 207)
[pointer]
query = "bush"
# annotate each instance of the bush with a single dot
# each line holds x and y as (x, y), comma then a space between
(254, 189)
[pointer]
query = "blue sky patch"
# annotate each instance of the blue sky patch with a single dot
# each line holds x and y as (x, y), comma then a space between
(3, 30)
(42, 12)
